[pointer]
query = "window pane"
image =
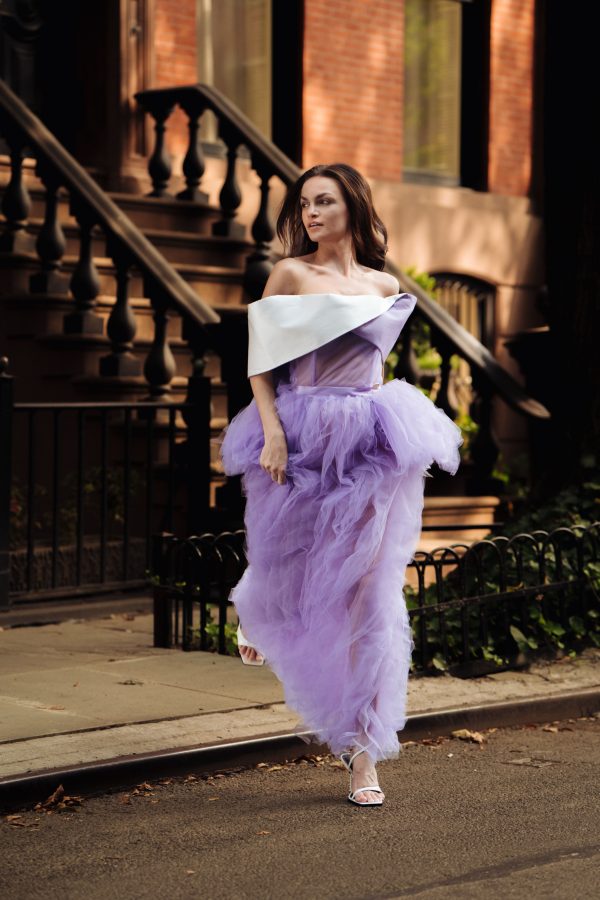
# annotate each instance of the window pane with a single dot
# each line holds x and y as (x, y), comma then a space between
(234, 55)
(432, 53)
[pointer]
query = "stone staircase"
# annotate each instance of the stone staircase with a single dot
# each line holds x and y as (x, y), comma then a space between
(49, 365)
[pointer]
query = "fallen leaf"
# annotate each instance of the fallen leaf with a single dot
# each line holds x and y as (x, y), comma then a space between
(274, 768)
(337, 764)
(210, 799)
(54, 798)
(552, 728)
(263, 832)
(262, 765)
(190, 871)
(465, 735)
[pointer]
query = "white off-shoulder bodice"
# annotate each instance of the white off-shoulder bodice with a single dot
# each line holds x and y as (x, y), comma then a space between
(327, 338)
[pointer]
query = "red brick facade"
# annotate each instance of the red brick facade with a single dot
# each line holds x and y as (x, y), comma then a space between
(175, 42)
(352, 107)
(353, 81)
(175, 48)
(511, 96)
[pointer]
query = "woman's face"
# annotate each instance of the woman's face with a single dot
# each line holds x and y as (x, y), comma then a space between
(324, 210)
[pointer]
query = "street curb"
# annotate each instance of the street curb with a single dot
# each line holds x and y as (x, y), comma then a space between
(17, 792)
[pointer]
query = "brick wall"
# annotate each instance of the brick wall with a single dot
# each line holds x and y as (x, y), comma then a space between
(175, 59)
(353, 82)
(511, 96)
(175, 42)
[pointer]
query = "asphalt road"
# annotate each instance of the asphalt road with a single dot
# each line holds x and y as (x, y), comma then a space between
(514, 815)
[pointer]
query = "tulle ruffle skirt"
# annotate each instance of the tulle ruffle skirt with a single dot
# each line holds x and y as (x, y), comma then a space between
(322, 596)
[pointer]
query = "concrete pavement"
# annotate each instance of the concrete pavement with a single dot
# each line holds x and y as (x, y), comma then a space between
(86, 690)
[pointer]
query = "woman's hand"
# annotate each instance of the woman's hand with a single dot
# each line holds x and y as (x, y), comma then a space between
(274, 456)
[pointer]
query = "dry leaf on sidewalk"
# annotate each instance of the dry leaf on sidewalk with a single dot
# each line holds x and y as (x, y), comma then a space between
(465, 735)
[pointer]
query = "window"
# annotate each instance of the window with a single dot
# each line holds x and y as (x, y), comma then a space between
(432, 91)
(234, 55)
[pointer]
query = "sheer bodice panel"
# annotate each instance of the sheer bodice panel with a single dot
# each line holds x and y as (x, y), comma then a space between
(348, 360)
(355, 358)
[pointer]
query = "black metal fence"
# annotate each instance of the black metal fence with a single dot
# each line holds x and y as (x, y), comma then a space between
(83, 486)
(473, 608)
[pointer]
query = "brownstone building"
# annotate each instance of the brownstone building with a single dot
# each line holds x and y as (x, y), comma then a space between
(191, 117)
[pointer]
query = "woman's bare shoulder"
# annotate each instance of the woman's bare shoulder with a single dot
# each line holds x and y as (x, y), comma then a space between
(285, 277)
(385, 281)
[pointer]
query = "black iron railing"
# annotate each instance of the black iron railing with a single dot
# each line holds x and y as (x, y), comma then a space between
(85, 485)
(471, 607)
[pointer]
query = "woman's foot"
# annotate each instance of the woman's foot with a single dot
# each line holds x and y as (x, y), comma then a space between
(364, 774)
(248, 653)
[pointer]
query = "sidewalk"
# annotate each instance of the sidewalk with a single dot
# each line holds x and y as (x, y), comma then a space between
(85, 691)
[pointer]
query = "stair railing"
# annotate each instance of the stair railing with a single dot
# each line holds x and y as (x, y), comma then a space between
(126, 245)
(132, 253)
(489, 378)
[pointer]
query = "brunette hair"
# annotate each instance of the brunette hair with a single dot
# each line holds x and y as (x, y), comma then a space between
(368, 231)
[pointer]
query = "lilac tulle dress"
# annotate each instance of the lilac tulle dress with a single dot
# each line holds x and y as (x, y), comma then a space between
(322, 595)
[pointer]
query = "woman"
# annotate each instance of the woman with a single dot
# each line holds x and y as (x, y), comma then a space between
(333, 463)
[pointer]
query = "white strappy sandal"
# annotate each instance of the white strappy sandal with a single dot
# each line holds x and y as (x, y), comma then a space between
(242, 642)
(348, 760)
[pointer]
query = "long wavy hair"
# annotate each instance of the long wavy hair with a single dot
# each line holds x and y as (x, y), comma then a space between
(368, 231)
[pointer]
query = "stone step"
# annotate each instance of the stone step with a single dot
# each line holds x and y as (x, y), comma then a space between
(215, 285)
(175, 246)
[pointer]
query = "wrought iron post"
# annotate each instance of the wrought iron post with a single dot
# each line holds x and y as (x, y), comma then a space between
(163, 603)
(6, 411)
(197, 416)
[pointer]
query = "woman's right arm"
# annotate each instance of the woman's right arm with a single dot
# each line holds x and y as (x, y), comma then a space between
(274, 455)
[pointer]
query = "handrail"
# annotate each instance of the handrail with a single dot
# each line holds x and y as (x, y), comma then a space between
(113, 220)
(472, 350)
(266, 157)
(198, 97)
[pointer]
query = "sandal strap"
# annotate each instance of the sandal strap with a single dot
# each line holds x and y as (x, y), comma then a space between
(362, 790)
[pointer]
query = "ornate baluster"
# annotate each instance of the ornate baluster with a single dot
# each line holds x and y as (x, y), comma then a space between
(16, 202)
(193, 164)
(230, 196)
(50, 244)
(159, 367)
(258, 265)
(484, 450)
(442, 399)
(407, 366)
(121, 326)
(159, 164)
(85, 283)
